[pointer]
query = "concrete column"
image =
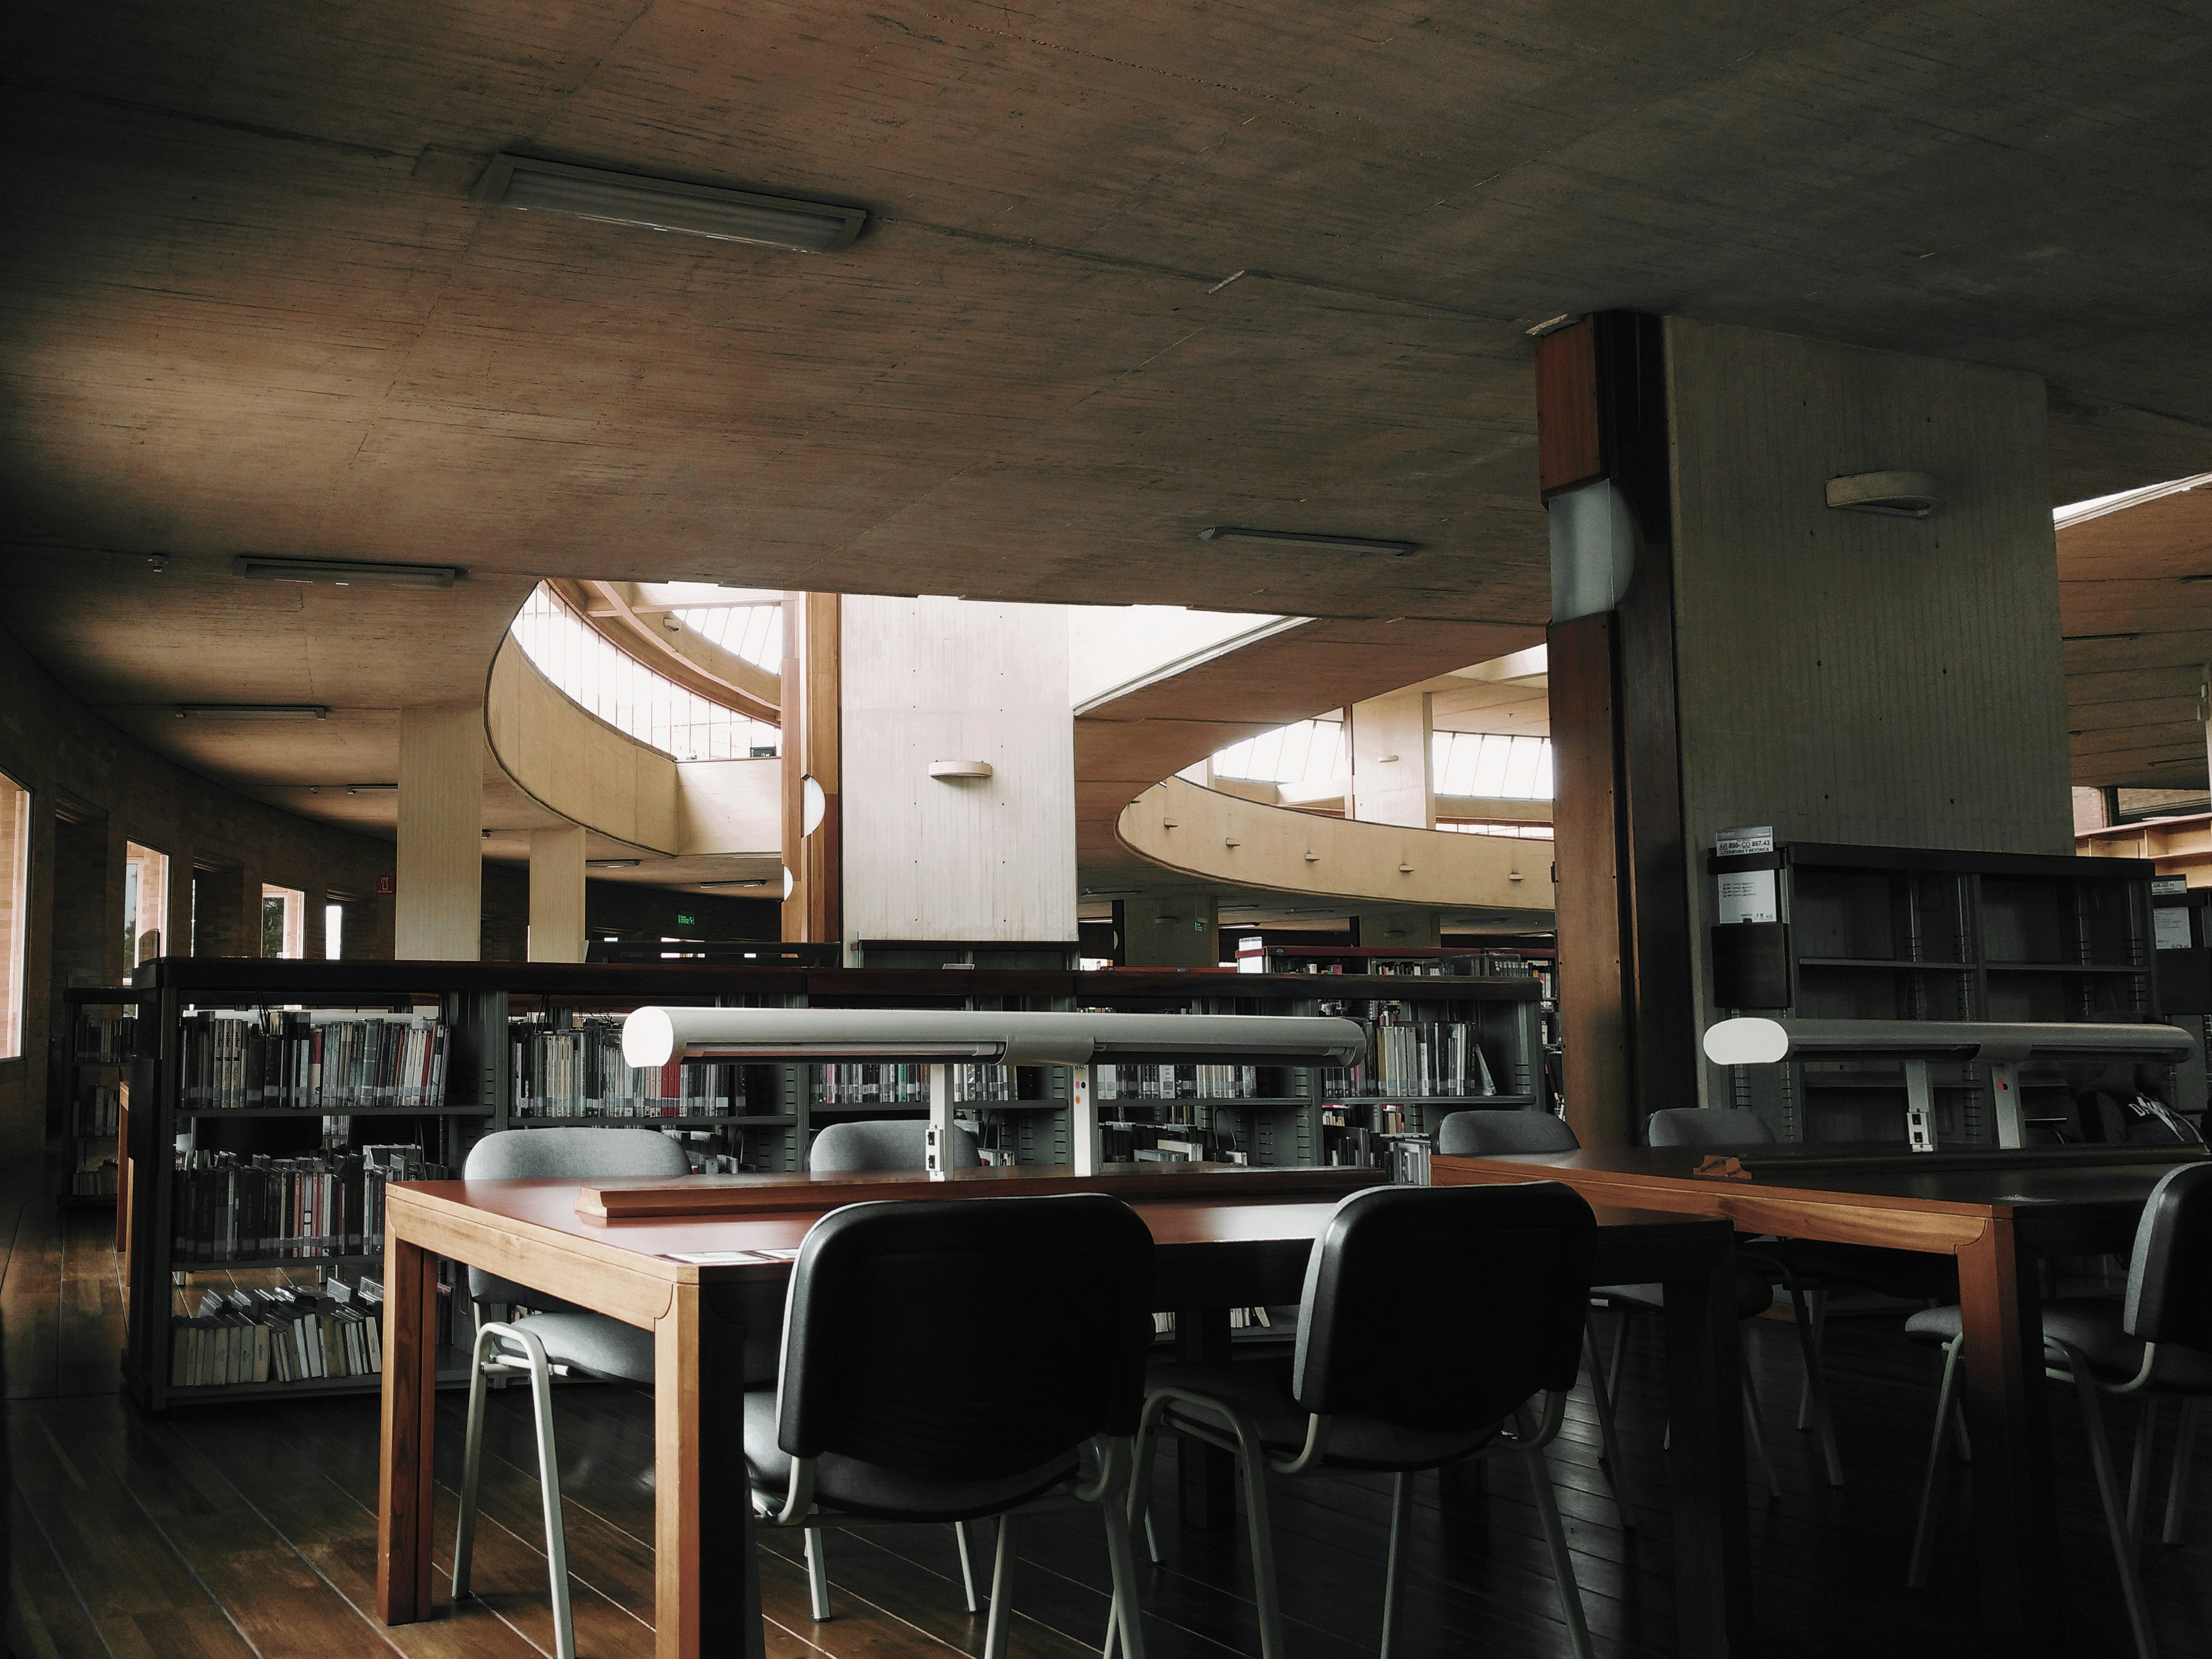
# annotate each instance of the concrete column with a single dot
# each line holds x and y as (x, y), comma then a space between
(1182, 929)
(1386, 929)
(1392, 782)
(813, 767)
(1727, 649)
(439, 897)
(556, 894)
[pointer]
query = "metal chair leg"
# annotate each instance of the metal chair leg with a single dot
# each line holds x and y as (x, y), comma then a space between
(1140, 1478)
(2139, 1468)
(1758, 1434)
(2108, 1488)
(967, 1567)
(2177, 1491)
(1393, 1569)
(1815, 1394)
(1002, 1585)
(549, 1482)
(817, 1575)
(1924, 1531)
(1555, 1540)
(1126, 1618)
(471, 1458)
(1265, 1592)
(1616, 1473)
(1812, 1311)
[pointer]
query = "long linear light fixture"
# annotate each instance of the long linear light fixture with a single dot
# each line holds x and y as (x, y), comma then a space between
(530, 185)
(1301, 541)
(252, 711)
(342, 573)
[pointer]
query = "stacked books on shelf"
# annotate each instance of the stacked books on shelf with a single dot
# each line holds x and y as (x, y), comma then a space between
(1349, 1145)
(1420, 1059)
(225, 1208)
(1178, 1082)
(870, 1084)
(290, 1334)
(104, 1041)
(574, 1068)
(345, 1061)
(1163, 1142)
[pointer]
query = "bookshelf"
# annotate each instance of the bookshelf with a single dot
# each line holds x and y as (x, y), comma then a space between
(93, 1043)
(463, 1049)
(1881, 933)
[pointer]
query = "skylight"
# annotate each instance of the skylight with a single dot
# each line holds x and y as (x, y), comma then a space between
(1493, 765)
(753, 632)
(1304, 751)
(626, 694)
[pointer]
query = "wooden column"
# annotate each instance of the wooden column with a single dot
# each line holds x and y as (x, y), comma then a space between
(556, 894)
(440, 876)
(813, 750)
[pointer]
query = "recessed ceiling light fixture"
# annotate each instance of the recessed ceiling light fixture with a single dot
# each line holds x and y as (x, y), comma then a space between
(342, 573)
(668, 205)
(252, 711)
(1300, 540)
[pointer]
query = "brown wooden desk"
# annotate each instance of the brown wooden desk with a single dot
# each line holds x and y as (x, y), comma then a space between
(1213, 1253)
(1998, 1213)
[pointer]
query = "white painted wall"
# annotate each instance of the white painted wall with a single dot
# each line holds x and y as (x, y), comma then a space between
(946, 679)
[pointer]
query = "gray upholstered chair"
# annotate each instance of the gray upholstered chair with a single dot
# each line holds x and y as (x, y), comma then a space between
(887, 1142)
(557, 1333)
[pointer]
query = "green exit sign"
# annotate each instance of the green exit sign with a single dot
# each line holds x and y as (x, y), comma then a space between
(687, 921)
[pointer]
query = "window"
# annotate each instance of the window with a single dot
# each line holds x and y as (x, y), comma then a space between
(145, 903)
(1304, 751)
(753, 632)
(283, 922)
(14, 866)
(626, 694)
(1508, 827)
(1492, 765)
(334, 933)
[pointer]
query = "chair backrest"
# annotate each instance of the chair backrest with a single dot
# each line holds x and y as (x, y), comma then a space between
(976, 1337)
(1444, 1307)
(553, 1154)
(1706, 1126)
(888, 1143)
(1501, 1134)
(2169, 1276)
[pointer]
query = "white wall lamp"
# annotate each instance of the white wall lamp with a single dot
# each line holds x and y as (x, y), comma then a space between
(813, 806)
(953, 771)
(1892, 495)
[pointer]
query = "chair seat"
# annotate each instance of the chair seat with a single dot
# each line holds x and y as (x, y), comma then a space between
(1261, 1389)
(1753, 1296)
(590, 1342)
(870, 1489)
(2090, 1325)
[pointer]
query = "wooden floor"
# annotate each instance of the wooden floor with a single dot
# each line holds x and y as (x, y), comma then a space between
(251, 1529)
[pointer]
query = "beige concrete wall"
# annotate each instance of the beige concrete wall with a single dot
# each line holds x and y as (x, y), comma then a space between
(1180, 931)
(729, 806)
(989, 859)
(574, 763)
(440, 905)
(1219, 838)
(1391, 781)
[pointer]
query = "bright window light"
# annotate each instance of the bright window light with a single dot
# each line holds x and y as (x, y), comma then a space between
(14, 919)
(1304, 751)
(626, 694)
(753, 632)
(1492, 765)
(1499, 827)
(334, 933)
(283, 922)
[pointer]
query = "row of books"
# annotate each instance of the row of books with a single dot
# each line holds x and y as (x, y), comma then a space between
(292, 1334)
(317, 1061)
(1178, 1082)
(1418, 1058)
(98, 1110)
(96, 1173)
(1404, 1159)
(227, 1207)
(1153, 1143)
(871, 1083)
(106, 1040)
(574, 1068)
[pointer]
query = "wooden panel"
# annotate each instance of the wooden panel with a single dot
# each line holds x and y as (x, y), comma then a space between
(1569, 448)
(813, 747)
(439, 898)
(983, 858)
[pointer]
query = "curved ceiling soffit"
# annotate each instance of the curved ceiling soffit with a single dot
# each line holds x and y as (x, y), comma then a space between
(619, 614)
(1220, 839)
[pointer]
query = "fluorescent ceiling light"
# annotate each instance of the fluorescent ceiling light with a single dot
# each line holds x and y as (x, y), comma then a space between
(252, 711)
(1299, 539)
(747, 881)
(614, 864)
(668, 204)
(342, 573)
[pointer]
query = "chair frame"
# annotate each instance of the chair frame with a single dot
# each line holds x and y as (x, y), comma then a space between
(534, 1365)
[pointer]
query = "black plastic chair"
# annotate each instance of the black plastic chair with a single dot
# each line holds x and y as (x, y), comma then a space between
(2154, 1340)
(1432, 1318)
(947, 1360)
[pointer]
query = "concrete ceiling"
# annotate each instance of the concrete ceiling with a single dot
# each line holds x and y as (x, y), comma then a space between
(246, 303)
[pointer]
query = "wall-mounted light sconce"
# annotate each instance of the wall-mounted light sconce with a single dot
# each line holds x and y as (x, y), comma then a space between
(953, 769)
(1893, 495)
(813, 806)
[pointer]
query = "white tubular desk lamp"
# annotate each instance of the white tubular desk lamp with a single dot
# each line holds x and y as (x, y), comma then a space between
(942, 1038)
(2003, 1048)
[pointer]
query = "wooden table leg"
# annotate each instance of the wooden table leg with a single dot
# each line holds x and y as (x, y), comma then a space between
(2000, 1300)
(707, 1579)
(406, 1485)
(1206, 1476)
(1705, 1403)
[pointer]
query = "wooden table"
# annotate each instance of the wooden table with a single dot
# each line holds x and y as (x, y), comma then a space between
(1215, 1253)
(1999, 1213)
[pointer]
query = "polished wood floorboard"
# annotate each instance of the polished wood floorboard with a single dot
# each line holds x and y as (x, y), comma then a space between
(250, 1530)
